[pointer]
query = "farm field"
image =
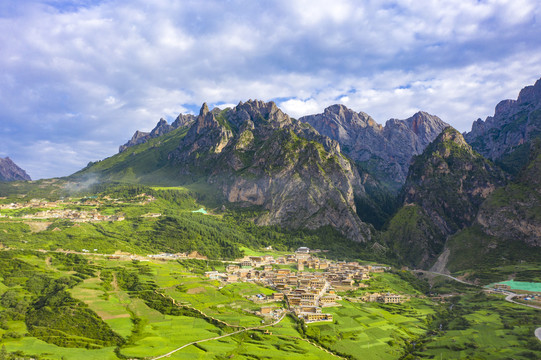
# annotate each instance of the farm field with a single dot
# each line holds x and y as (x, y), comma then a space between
(371, 331)
(491, 329)
(122, 298)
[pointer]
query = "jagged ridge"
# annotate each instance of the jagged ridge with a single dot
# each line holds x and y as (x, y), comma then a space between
(260, 156)
(446, 184)
(161, 128)
(514, 124)
(9, 171)
(385, 151)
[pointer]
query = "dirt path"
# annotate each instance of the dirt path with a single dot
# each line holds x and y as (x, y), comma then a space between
(219, 337)
(114, 283)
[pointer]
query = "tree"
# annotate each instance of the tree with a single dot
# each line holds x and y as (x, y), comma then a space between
(3, 353)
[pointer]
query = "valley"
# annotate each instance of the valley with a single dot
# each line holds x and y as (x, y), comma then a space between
(159, 307)
(245, 233)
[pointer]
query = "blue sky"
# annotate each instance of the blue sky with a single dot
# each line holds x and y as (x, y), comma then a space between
(77, 78)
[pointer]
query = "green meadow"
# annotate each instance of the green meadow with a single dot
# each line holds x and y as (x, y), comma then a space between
(119, 304)
(493, 329)
(371, 331)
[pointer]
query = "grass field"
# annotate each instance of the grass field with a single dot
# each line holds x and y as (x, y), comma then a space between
(475, 326)
(496, 330)
(371, 331)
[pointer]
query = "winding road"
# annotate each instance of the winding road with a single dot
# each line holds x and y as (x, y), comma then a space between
(446, 275)
(509, 296)
(219, 337)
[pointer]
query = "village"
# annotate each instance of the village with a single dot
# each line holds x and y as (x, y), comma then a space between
(309, 290)
(62, 209)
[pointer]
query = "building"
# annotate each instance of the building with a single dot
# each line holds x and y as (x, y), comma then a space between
(371, 297)
(502, 287)
(213, 275)
(232, 268)
(392, 299)
(266, 310)
(246, 263)
(311, 317)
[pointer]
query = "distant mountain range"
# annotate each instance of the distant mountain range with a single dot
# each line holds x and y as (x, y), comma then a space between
(9, 171)
(415, 188)
(384, 151)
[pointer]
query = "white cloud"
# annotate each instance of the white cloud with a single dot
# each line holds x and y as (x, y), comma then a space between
(298, 108)
(85, 77)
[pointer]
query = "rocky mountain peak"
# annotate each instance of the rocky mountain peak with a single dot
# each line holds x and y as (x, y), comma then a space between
(425, 126)
(183, 120)
(257, 155)
(204, 110)
(530, 93)
(161, 128)
(515, 122)
(9, 171)
(386, 151)
(445, 187)
(450, 168)
(138, 137)
(452, 135)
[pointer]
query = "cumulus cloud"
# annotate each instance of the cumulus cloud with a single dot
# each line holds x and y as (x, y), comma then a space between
(79, 77)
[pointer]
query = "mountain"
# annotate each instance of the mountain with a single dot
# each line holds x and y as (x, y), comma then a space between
(385, 151)
(445, 187)
(507, 228)
(505, 137)
(161, 128)
(9, 171)
(255, 156)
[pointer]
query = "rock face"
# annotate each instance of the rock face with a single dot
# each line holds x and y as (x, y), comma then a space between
(161, 128)
(446, 185)
(507, 229)
(386, 151)
(138, 137)
(259, 156)
(513, 213)
(514, 124)
(9, 171)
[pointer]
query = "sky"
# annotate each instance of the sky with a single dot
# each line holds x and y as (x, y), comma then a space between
(77, 78)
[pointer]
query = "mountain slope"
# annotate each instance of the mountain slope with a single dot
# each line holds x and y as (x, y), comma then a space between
(384, 151)
(161, 128)
(507, 228)
(445, 187)
(9, 171)
(254, 155)
(505, 137)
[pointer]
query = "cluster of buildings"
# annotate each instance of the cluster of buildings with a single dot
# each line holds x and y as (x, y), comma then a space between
(74, 215)
(387, 298)
(57, 209)
(305, 292)
(32, 204)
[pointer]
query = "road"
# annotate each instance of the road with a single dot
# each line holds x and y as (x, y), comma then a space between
(510, 297)
(446, 275)
(220, 337)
